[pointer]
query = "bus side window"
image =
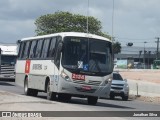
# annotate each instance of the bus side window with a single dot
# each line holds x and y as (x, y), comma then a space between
(33, 49)
(39, 48)
(26, 50)
(52, 47)
(45, 48)
(20, 50)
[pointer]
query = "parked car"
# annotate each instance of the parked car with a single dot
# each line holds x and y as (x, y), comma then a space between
(119, 87)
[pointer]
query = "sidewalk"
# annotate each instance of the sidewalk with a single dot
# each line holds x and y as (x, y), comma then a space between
(144, 88)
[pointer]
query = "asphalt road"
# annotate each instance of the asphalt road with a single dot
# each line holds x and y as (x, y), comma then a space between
(79, 103)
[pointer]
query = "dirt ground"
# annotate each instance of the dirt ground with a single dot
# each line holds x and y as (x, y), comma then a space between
(149, 76)
(143, 75)
(145, 98)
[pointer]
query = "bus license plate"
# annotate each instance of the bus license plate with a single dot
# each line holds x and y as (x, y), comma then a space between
(78, 76)
(86, 87)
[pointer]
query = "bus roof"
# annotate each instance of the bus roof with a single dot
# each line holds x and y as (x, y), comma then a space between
(63, 34)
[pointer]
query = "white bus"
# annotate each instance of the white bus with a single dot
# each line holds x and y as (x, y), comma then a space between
(8, 55)
(65, 65)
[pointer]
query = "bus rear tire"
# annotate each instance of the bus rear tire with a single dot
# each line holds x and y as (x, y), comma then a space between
(92, 100)
(34, 92)
(50, 95)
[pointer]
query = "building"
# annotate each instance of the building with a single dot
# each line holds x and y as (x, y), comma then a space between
(138, 54)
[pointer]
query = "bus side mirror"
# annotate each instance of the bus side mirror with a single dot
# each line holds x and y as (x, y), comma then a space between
(60, 47)
(18, 41)
(58, 54)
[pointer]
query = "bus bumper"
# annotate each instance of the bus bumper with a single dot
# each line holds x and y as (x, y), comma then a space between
(83, 89)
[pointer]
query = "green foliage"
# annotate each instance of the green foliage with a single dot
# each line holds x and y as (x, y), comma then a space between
(68, 22)
(116, 47)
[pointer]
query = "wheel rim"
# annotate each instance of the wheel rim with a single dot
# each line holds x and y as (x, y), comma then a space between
(25, 87)
(48, 91)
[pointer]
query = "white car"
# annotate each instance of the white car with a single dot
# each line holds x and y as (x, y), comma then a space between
(119, 87)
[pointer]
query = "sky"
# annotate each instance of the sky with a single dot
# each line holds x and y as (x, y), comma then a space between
(134, 21)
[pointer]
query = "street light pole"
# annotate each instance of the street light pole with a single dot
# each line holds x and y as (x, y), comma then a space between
(112, 38)
(157, 55)
(144, 54)
(87, 15)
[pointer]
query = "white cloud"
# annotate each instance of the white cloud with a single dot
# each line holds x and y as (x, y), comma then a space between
(15, 30)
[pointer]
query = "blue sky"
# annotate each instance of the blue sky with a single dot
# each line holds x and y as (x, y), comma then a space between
(134, 20)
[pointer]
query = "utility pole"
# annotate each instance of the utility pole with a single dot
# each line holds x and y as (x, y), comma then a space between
(157, 55)
(112, 38)
(87, 15)
(144, 54)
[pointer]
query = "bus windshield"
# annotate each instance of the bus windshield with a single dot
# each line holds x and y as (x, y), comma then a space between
(87, 56)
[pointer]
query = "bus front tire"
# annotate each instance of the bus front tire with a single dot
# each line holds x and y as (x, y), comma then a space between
(64, 97)
(50, 95)
(92, 100)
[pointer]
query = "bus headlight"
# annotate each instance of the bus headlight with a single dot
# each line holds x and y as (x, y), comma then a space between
(65, 76)
(109, 80)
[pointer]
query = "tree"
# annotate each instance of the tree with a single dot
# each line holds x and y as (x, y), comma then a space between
(67, 22)
(116, 47)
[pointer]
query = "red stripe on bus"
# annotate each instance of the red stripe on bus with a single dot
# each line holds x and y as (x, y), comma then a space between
(27, 66)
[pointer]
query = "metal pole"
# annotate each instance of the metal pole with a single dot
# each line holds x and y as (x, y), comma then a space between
(112, 38)
(144, 55)
(157, 55)
(137, 89)
(87, 15)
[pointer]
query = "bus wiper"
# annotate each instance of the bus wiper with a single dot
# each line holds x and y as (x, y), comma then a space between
(86, 72)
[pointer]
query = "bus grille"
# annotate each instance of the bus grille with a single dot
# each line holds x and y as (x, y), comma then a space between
(96, 83)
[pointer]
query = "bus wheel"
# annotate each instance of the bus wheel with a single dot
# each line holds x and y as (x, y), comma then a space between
(34, 92)
(92, 100)
(50, 95)
(27, 91)
(64, 97)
